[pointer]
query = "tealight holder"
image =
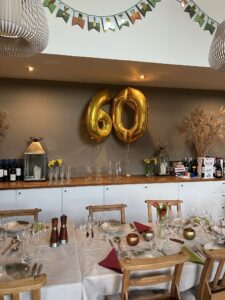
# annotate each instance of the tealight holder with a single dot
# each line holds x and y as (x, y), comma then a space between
(132, 239)
(189, 233)
(148, 235)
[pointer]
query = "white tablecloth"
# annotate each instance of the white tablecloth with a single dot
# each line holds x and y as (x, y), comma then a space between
(99, 281)
(61, 265)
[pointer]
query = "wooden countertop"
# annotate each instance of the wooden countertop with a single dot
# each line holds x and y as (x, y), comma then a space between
(80, 181)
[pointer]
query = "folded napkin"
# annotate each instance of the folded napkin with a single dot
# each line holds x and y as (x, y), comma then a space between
(141, 227)
(111, 262)
(193, 257)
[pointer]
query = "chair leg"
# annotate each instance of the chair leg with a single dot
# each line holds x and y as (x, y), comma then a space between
(36, 294)
(16, 297)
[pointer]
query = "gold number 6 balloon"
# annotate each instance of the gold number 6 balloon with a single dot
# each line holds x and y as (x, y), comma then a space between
(140, 106)
(99, 123)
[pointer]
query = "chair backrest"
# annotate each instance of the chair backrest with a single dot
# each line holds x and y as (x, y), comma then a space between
(112, 207)
(15, 287)
(21, 212)
(214, 290)
(170, 203)
(152, 264)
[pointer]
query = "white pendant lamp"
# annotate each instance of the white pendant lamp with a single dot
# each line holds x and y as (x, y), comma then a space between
(217, 49)
(23, 27)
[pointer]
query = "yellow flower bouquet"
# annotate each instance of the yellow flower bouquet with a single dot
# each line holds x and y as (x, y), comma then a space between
(58, 162)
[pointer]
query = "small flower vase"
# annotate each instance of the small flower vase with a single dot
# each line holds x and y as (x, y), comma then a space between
(162, 226)
(150, 169)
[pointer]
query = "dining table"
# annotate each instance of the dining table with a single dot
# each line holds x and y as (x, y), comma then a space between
(73, 270)
(61, 264)
(99, 281)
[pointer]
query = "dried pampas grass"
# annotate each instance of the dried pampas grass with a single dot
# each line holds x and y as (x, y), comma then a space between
(4, 124)
(203, 128)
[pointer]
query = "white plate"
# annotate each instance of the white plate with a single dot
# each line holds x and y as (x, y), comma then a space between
(212, 246)
(112, 226)
(15, 226)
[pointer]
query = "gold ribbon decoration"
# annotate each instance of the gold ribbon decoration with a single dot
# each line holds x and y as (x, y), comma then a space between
(137, 101)
(98, 122)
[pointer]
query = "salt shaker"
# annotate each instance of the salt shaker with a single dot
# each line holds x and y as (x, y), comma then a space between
(63, 236)
(54, 240)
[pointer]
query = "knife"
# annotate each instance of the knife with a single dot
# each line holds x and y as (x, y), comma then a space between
(177, 241)
(33, 270)
(111, 243)
(92, 232)
(38, 270)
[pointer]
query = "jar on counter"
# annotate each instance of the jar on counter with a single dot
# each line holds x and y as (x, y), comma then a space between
(163, 162)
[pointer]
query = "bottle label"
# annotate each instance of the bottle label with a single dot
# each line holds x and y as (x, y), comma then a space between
(1, 173)
(5, 172)
(12, 177)
(18, 171)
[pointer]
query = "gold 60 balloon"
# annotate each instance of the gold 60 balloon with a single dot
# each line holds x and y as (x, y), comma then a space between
(99, 123)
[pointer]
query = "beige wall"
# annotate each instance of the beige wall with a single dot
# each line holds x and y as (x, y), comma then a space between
(56, 112)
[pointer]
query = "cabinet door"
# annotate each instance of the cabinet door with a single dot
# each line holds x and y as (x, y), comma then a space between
(159, 191)
(7, 199)
(130, 195)
(75, 200)
(48, 199)
(198, 195)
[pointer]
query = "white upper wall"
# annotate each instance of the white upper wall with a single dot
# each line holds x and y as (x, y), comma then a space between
(166, 35)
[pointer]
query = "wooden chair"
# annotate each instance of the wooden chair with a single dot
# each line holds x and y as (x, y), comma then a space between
(21, 212)
(15, 287)
(170, 203)
(112, 207)
(214, 290)
(152, 264)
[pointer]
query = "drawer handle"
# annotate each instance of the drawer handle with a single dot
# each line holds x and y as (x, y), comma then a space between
(19, 193)
(65, 191)
(223, 207)
(146, 187)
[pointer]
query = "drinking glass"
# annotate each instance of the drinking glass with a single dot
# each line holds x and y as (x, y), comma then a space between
(50, 174)
(3, 228)
(27, 250)
(87, 173)
(62, 172)
(97, 173)
(68, 172)
(110, 170)
(56, 173)
(38, 231)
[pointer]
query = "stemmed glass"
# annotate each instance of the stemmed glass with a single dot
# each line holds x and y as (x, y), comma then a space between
(68, 173)
(56, 173)
(62, 172)
(38, 230)
(50, 174)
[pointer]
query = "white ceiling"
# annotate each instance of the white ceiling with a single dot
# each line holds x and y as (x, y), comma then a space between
(105, 71)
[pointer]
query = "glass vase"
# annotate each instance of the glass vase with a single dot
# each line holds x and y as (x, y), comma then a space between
(150, 169)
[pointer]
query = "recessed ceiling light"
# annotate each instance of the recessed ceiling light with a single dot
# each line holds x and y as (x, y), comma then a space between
(30, 69)
(142, 76)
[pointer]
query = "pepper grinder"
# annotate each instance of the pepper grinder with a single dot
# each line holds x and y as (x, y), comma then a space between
(54, 240)
(63, 237)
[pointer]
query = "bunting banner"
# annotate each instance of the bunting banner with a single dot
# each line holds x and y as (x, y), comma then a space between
(100, 24)
(199, 16)
(125, 18)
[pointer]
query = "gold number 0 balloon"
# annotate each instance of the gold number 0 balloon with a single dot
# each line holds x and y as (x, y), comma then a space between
(139, 103)
(99, 123)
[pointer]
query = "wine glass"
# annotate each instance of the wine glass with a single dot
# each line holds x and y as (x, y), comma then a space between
(62, 172)
(56, 173)
(68, 172)
(50, 174)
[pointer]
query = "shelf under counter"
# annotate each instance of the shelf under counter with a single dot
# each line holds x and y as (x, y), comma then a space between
(81, 181)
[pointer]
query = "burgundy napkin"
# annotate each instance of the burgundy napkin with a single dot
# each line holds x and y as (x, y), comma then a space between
(111, 262)
(141, 227)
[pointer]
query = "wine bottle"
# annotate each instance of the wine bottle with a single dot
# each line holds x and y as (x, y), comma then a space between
(203, 168)
(218, 172)
(12, 171)
(1, 170)
(18, 170)
(5, 170)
